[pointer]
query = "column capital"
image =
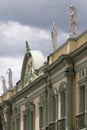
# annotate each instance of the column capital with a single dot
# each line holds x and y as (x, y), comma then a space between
(69, 72)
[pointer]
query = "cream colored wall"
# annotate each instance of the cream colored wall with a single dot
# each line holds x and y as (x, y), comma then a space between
(58, 53)
(82, 39)
(70, 46)
(81, 61)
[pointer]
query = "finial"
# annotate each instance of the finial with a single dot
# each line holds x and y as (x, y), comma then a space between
(54, 36)
(27, 47)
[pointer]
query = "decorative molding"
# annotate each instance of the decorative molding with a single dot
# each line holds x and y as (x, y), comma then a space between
(81, 66)
(83, 82)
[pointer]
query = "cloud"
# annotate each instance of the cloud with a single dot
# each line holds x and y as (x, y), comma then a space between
(13, 36)
(42, 13)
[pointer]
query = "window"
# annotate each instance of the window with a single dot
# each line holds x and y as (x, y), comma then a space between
(82, 99)
(41, 116)
(32, 121)
(54, 103)
(62, 91)
(29, 116)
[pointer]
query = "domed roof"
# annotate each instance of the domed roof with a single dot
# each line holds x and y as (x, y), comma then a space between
(38, 58)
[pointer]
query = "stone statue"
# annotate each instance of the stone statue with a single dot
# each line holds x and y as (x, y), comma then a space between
(4, 84)
(10, 83)
(73, 23)
(54, 36)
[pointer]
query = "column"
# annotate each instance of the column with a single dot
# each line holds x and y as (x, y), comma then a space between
(49, 110)
(56, 111)
(69, 98)
(44, 114)
(7, 116)
(8, 121)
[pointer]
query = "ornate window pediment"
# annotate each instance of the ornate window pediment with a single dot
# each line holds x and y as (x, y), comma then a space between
(33, 60)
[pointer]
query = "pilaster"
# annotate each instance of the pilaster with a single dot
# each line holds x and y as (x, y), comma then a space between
(16, 118)
(7, 116)
(69, 98)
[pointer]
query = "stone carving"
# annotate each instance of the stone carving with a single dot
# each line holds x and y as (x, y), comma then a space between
(10, 83)
(73, 23)
(54, 36)
(4, 84)
(30, 74)
(27, 47)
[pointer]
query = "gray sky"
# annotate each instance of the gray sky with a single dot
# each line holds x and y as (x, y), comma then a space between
(31, 20)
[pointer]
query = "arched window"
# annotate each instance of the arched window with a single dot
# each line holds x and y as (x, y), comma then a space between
(62, 91)
(48, 109)
(62, 94)
(54, 104)
(29, 116)
(80, 118)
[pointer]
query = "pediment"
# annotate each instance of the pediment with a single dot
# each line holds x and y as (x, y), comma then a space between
(33, 60)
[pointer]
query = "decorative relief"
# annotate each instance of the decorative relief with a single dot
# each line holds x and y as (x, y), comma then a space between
(6, 113)
(30, 73)
(29, 106)
(42, 99)
(82, 73)
(15, 113)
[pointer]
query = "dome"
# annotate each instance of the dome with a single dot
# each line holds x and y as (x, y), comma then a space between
(38, 58)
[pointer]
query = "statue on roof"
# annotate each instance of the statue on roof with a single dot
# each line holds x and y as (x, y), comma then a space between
(4, 84)
(54, 36)
(27, 47)
(73, 22)
(10, 83)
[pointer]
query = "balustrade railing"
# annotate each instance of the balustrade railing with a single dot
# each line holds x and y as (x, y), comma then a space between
(51, 126)
(42, 128)
(80, 121)
(61, 124)
(47, 128)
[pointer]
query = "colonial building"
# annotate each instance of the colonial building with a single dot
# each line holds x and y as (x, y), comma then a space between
(50, 95)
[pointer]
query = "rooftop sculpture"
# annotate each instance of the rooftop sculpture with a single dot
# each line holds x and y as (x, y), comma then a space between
(3, 84)
(54, 36)
(10, 83)
(73, 22)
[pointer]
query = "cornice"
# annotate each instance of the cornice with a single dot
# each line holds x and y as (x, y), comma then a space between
(5, 103)
(63, 60)
(28, 89)
(79, 52)
(69, 58)
(69, 39)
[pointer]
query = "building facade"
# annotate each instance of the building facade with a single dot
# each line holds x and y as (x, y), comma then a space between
(50, 95)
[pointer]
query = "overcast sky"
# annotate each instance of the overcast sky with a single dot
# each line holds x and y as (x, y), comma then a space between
(32, 20)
